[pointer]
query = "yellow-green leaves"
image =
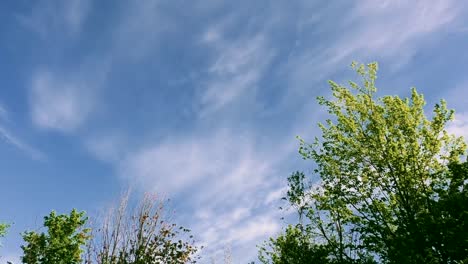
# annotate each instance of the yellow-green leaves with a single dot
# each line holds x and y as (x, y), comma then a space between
(62, 244)
(3, 230)
(378, 160)
(391, 188)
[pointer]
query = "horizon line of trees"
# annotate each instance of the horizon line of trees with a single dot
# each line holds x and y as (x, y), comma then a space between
(392, 189)
(127, 233)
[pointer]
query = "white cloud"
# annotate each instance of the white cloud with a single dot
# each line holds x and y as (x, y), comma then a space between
(106, 148)
(226, 167)
(459, 126)
(57, 103)
(370, 30)
(255, 228)
(394, 28)
(238, 66)
(64, 100)
(276, 195)
(229, 229)
(243, 235)
(9, 138)
(56, 18)
(177, 163)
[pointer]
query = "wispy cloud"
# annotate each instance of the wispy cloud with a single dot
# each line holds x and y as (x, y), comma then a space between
(237, 67)
(11, 139)
(57, 103)
(107, 148)
(16, 142)
(232, 181)
(62, 100)
(394, 28)
(52, 17)
(388, 31)
(239, 228)
(177, 163)
(459, 126)
(257, 227)
(276, 195)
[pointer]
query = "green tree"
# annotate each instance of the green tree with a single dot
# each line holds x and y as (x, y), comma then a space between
(3, 229)
(385, 179)
(304, 243)
(63, 242)
(446, 225)
(293, 247)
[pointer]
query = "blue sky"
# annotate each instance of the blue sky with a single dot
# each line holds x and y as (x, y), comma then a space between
(197, 100)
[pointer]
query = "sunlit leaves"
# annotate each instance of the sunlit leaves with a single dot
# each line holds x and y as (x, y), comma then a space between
(61, 244)
(384, 172)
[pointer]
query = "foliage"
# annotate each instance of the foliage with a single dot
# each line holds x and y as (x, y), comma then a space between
(62, 244)
(3, 229)
(445, 226)
(293, 247)
(302, 243)
(140, 236)
(391, 185)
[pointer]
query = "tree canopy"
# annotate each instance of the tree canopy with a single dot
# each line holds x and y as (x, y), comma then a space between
(61, 244)
(392, 188)
(3, 229)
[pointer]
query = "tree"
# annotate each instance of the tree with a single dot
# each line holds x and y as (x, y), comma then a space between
(386, 175)
(293, 247)
(63, 242)
(3, 229)
(446, 225)
(302, 243)
(140, 235)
